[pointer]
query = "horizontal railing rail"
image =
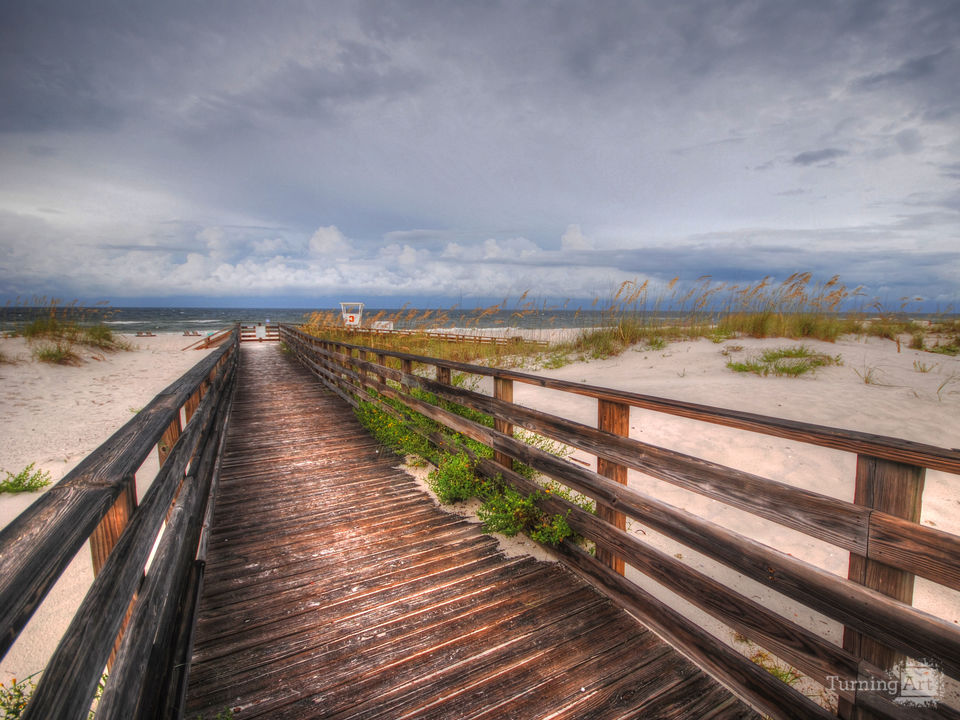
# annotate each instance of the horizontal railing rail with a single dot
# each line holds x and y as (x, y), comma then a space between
(259, 333)
(97, 501)
(880, 528)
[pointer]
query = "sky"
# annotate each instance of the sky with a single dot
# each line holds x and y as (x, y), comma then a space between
(299, 153)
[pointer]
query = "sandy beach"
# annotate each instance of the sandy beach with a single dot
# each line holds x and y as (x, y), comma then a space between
(55, 415)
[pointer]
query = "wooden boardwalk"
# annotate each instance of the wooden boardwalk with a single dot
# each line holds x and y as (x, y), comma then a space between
(335, 588)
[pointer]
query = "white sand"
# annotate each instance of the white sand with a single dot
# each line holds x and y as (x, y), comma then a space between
(902, 401)
(54, 416)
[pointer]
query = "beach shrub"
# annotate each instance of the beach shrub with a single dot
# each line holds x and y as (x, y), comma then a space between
(59, 328)
(392, 432)
(790, 362)
(779, 669)
(951, 348)
(454, 480)
(552, 487)
(14, 699)
(551, 530)
(556, 360)
(508, 512)
(27, 480)
(99, 336)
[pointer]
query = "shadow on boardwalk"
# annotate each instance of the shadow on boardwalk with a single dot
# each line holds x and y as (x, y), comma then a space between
(335, 588)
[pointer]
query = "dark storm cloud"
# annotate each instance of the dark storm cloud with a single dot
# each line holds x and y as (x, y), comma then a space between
(229, 145)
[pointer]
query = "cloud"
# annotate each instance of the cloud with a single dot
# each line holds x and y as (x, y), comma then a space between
(908, 71)
(814, 157)
(573, 239)
(329, 242)
(909, 141)
(951, 170)
(426, 148)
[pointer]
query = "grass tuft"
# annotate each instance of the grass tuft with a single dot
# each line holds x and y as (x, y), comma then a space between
(56, 353)
(786, 362)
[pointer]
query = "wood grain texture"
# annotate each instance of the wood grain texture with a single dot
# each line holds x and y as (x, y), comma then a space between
(333, 588)
(613, 418)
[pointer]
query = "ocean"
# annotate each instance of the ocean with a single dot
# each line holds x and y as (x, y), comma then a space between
(130, 320)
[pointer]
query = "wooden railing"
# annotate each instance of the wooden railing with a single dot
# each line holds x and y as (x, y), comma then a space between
(880, 528)
(260, 333)
(154, 602)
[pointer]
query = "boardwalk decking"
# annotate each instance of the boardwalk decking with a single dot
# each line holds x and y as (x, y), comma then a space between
(335, 588)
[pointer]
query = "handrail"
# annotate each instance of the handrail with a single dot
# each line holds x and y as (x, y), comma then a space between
(879, 534)
(881, 446)
(96, 500)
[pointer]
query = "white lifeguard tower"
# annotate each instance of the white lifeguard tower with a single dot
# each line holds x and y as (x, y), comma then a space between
(352, 313)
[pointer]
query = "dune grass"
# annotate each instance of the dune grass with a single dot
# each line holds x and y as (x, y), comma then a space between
(57, 331)
(637, 313)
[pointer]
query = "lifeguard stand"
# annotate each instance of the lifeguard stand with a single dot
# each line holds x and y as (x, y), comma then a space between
(352, 313)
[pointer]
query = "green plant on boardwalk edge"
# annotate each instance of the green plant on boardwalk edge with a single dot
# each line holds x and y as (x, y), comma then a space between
(503, 509)
(14, 699)
(27, 480)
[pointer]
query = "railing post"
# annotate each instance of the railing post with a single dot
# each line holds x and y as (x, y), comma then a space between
(382, 361)
(170, 437)
(614, 418)
(896, 489)
(406, 367)
(362, 355)
(503, 390)
(443, 375)
(193, 402)
(112, 525)
(103, 539)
